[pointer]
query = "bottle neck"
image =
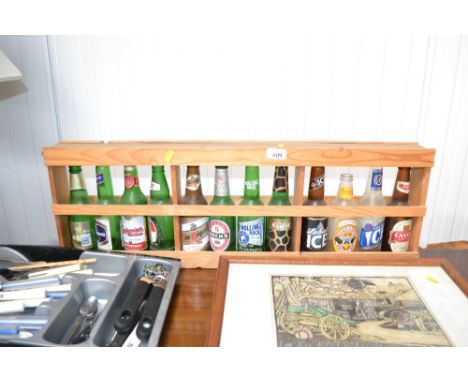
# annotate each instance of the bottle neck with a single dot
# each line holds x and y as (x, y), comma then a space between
(374, 181)
(131, 178)
(104, 183)
(402, 185)
(159, 187)
(345, 190)
(251, 182)
(280, 184)
(193, 183)
(76, 181)
(316, 183)
(221, 182)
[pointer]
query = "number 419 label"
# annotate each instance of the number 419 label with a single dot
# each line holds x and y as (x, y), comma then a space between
(276, 153)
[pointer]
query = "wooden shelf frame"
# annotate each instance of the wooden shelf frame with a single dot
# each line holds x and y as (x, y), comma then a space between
(237, 153)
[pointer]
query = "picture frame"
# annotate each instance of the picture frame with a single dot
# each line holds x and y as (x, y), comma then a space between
(243, 312)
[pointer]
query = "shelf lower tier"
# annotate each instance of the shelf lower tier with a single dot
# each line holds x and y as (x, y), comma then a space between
(208, 259)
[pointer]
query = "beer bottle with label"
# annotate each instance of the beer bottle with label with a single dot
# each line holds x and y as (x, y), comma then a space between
(314, 229)
(194, 230)
(280, 227)
(81, 227)
(251, 229)
(371, 227)
(397, 231)
(107, 227)
(133, 228)
(222, 228)
(343, 231)
(161, 228)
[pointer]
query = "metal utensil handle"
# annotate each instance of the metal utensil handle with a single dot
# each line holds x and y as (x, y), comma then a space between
(128, 316)
(148, 316)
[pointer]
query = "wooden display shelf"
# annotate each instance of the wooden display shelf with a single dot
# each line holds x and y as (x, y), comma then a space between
(237, 153)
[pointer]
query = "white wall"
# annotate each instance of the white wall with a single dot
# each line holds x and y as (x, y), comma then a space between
(272, 83)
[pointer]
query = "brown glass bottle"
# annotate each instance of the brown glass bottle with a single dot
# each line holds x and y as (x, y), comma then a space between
(314, 229)
(194, 230)
(398, 229)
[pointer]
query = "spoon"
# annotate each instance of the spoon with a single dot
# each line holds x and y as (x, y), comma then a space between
(88, 312)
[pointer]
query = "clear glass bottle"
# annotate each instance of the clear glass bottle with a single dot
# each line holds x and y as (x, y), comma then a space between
(343, 231)
(371, 228)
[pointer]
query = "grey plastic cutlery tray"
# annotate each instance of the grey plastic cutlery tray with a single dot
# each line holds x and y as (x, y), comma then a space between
(112, 279)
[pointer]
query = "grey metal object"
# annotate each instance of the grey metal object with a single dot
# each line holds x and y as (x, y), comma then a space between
(111, 281)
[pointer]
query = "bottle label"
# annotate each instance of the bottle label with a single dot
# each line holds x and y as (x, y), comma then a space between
(155, 186)
(344, 239)
(251, 184)
(220, 235)
(99, 178)
(279, 234)
(103, 233)
(133, 232)
(131, 181)
(251, 233)
(317, 183)
(155, 232)
(195, 234)
(400, 235)
(193, 182)
(345, 193)
(376, 181)
(81, 235)
(371, 235)
(316, 234)
(221, 182)
(280, 183)
(403, 187)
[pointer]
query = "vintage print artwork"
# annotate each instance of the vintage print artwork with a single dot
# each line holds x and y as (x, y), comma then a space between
(352, 311)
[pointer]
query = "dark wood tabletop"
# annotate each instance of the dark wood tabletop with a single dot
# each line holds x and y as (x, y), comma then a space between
(188, 317)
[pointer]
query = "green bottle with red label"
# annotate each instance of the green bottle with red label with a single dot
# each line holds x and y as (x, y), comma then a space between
(107, 227)
(280, 227)
(81, 227)
(133, 228)
(222, 228)
(161, 228)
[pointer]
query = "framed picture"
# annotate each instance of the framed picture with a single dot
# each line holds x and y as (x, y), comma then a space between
(292, 301)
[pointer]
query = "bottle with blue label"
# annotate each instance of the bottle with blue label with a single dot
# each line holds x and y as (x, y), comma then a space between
(371, 228)
(251, 229)
(107, 227)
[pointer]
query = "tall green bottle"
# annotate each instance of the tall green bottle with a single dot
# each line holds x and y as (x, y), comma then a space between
(133, 228)
(251, 230)
(222, 228)
(107, 227)
(280, 227)
(81, 227)
(161, 228)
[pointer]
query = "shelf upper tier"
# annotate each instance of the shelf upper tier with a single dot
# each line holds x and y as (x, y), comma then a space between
(239, 153)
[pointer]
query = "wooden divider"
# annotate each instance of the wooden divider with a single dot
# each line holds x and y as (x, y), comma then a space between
(293, 153)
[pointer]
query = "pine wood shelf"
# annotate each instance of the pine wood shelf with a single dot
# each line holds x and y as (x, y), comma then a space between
(238, 153)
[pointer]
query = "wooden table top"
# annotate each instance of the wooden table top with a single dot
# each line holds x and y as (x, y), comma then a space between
(188, 317)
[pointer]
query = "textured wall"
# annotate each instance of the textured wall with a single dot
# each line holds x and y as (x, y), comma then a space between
(276, 83)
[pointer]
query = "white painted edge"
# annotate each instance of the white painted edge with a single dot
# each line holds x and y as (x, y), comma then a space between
(8, 71)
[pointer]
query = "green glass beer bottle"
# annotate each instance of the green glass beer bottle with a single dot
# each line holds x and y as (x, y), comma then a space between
(251, 230)
(280, 227)
(161, 228)
(133, 228)
(107, 227)
(222, 228)
(81, 227)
